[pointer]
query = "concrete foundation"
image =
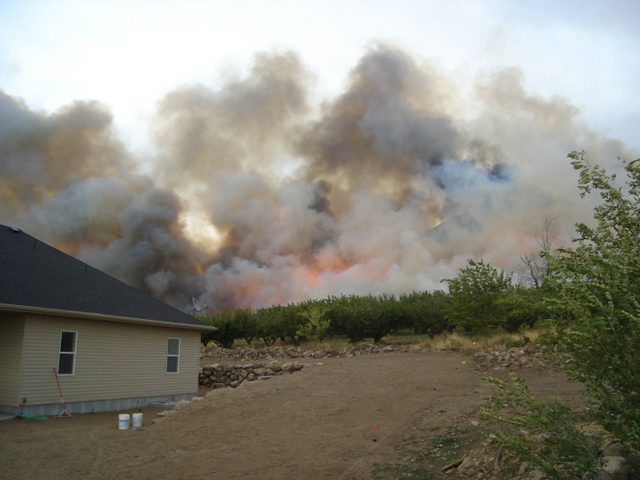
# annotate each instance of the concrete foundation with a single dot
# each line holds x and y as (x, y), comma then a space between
(95, 406)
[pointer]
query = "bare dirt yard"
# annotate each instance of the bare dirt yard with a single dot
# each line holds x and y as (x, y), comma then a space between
(318, 423)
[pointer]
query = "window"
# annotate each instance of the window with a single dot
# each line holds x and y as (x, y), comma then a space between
(173, 355)
(67, 353)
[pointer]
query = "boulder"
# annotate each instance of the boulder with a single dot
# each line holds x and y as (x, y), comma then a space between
(613, 469)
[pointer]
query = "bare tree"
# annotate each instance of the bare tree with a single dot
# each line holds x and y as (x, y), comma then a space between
(536, 265)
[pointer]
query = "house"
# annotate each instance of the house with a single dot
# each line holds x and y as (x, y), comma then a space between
(112, 346)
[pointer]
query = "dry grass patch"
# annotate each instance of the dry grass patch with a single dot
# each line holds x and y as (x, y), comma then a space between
(456, 342)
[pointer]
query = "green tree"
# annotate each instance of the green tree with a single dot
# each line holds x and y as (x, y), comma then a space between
(290, 319)
(364, 317)
(546, 433)
(316, 324)
(227, 329)
(345, 313)
(596, 286)
(426, 312)
(247, 324)
(382, 315)
(270, 325)
(521, 307)
(476, 295)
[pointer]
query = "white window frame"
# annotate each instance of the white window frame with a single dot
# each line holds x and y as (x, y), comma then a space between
(173, 355)
(73, 353)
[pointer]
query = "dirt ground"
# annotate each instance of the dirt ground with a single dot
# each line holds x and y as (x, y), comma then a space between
(319, 423)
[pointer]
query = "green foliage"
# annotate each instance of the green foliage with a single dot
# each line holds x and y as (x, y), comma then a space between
(426, 312)
(522, 307)
(247, 324)
(477, 297)
(290, 320)
(228, 330)
(344, 313)
(548, 435)
(382, 316)
(595, 299)
(270, 324)
(316, 325)
(359, 318)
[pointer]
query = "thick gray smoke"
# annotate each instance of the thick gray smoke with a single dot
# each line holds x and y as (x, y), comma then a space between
(259, 196)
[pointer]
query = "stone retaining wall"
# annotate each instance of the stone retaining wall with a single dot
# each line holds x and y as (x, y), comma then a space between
(221, 375)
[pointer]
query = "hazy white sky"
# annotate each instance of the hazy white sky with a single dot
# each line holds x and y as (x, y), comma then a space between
(128, 53)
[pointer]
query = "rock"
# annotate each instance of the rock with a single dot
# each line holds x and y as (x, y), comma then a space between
(219, 385)
(544, 437)
(535, 475)
(197, 399)
(291, 367)
(234, 383)
(275, 366)
(613, 469)
(611, 448)
(181, 404)
(491, 438)
(164, 413)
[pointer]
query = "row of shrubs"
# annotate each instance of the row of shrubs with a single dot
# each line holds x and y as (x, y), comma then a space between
(357, 318)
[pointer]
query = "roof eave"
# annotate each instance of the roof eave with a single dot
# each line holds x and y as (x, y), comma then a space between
(98, 316)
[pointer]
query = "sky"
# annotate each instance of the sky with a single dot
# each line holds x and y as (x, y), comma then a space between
(248, 153)
(128, 54)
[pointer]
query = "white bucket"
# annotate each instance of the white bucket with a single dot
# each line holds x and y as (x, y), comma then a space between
(137, 420)
(123, 421)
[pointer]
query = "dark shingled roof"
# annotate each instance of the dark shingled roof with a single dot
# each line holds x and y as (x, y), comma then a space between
(34, 274)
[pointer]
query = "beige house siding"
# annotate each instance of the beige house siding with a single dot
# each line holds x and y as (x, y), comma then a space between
(113, 361)
(11, 343)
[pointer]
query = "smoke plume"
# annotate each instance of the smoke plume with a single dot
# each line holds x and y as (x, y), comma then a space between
(257, 196)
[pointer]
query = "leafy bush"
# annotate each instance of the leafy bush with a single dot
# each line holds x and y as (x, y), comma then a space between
(426, 312)
(476, 297)
(270, 324)
(247, 324)
(345, 316)
(359, 318)
(595, 299)
(316, 324)
(522, 307)
(227, 331)
(547, 435)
